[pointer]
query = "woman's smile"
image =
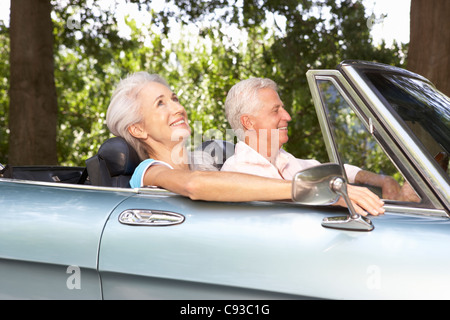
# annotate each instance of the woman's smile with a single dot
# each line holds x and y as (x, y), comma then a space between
(178, 122)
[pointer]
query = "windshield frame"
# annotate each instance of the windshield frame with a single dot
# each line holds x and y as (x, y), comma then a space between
(425, 166)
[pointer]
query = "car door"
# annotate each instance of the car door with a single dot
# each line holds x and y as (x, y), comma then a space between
(49, 239)
(215, 250)
(268, 250)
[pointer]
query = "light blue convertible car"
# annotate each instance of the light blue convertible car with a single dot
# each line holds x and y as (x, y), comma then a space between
(81, 233)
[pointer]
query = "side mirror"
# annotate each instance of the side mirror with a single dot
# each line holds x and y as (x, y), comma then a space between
(312, 186)
(323, 185)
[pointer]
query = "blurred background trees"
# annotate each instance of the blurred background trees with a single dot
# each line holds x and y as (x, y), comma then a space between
(201, 48)
(429, 50)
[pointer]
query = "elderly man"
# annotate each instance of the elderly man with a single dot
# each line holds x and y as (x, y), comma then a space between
(257, 115)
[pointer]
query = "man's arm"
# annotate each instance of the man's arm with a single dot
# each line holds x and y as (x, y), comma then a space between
(391, 189)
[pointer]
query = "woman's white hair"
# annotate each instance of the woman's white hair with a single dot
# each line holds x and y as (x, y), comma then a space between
(243, 99)
(124, 108)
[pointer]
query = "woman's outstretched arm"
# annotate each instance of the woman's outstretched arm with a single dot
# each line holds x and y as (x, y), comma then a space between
(233, 186)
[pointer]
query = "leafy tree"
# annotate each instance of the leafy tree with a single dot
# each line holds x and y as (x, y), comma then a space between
(429, 53)
(90, 58)
(199, 68)
(33, 105)
(317, 34)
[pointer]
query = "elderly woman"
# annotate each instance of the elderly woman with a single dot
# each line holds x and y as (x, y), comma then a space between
(147, 114)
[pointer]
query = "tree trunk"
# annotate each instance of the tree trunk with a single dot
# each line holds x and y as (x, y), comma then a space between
(33, 104)
(429, 48)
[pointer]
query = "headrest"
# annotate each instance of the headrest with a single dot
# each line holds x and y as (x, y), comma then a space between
(119, 156)
(212, 153)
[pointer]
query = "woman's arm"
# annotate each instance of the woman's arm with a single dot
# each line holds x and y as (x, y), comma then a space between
(364, 201)
(233, 186)
(218, 186)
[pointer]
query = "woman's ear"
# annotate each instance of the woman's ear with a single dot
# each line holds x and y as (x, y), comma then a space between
(247, 122)
(137, 131)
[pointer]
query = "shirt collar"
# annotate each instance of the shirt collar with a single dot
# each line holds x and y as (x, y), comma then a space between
(247, 154)
(282, 160)
(250, 155)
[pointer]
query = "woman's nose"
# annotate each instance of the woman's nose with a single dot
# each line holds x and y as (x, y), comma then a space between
(176, 107)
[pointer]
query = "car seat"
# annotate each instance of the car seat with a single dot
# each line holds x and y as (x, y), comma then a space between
(211, 155)
(113, 165)
(116, 160)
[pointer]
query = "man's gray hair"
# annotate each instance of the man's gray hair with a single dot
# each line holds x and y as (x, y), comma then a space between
(124, 108)
(243, 99)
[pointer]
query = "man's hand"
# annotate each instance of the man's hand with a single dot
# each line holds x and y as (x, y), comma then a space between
(390, 188)
(407, 193)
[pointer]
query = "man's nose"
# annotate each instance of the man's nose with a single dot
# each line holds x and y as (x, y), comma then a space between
(286, 115)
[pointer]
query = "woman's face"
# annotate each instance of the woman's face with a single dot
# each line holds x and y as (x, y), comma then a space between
(164, 118)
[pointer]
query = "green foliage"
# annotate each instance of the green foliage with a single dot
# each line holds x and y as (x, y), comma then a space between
(317, 34)
(203, 76)
(355, 144)
(90, 59)
(320, 36)
(88, 64)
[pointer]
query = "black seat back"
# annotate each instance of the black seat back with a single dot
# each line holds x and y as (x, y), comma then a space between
(218, 151)
(113, 165)
(116, 161)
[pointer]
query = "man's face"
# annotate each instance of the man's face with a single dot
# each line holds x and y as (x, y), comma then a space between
(270, 122)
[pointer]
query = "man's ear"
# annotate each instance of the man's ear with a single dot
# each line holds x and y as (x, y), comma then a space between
(137, 131)
(247, 122)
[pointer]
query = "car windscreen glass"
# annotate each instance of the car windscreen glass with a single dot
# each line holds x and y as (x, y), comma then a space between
(423, 109)
(357, 147)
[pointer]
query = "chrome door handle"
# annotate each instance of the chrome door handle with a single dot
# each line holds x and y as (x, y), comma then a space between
(145, 217)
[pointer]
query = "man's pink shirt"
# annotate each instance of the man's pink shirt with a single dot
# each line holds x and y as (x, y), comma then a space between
(248, 160)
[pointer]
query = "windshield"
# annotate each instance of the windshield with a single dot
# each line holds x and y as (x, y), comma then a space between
(424, 110)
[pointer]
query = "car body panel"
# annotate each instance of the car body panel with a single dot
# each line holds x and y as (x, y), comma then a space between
(45, 228)
(276, 250)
